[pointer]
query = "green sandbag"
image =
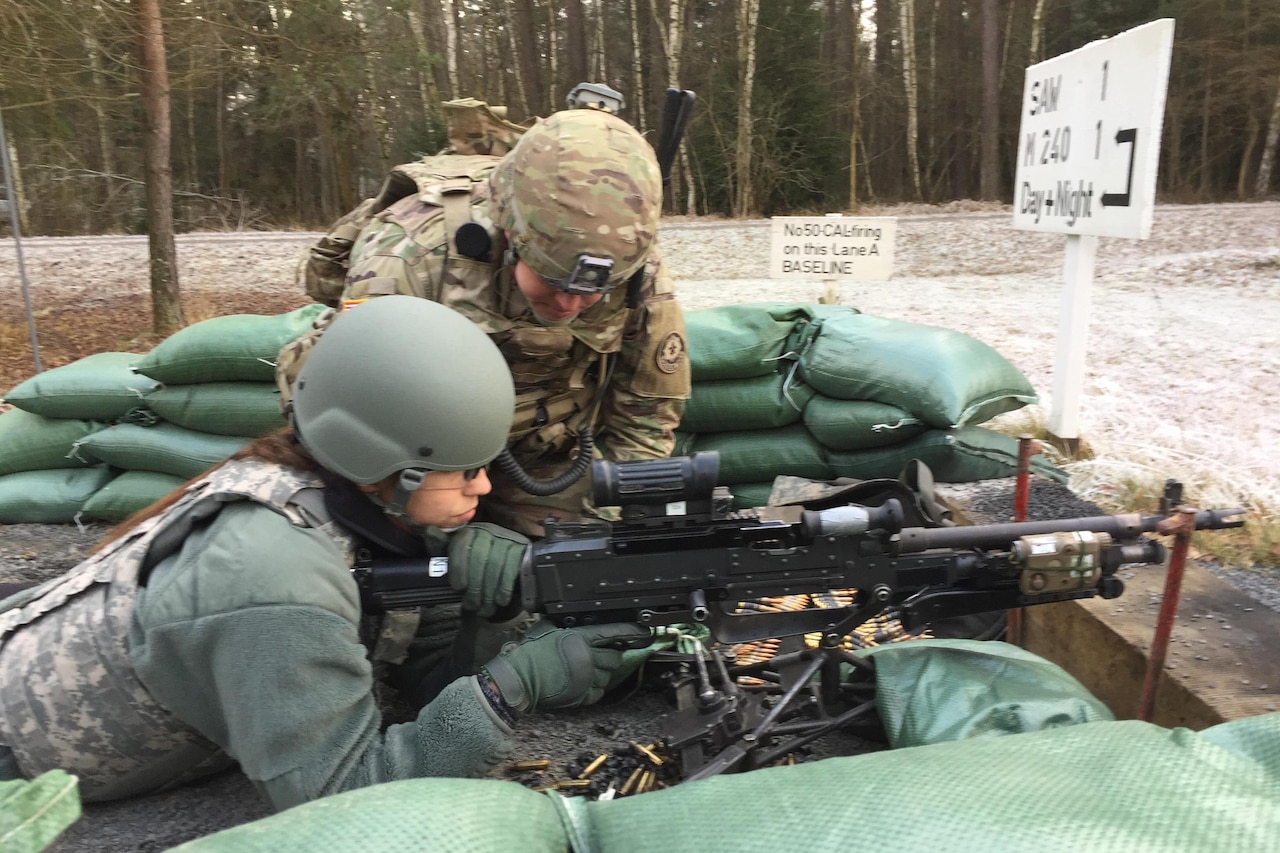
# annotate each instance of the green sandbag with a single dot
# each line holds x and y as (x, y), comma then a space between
(465, 816)
(128, 493)
(101, 387)
(234, 348)
(33, 813)
(751, 495)
(48, 497)
(755, 456)
(32, 443)
(741, 341)
(1104, 787)
(762, 402)
(859, 424)
(954, 456)
(247, 409)
(932, 691)
(165, 448)
(945, 378)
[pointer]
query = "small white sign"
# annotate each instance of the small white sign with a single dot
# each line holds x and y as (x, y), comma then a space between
(1089, 144)
(825, 247)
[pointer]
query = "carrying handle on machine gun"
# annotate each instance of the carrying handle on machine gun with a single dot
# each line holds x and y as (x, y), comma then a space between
(677, 107)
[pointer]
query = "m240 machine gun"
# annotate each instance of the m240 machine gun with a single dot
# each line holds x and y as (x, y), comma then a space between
(682, 555)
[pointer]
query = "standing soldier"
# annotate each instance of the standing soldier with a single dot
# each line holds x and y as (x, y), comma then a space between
(552, 251)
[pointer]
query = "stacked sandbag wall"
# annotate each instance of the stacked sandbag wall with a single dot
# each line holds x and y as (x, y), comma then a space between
(824, 391)
(103, 437)
(817, 391)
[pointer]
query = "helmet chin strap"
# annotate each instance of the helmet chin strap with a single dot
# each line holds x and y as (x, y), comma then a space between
(406, 484)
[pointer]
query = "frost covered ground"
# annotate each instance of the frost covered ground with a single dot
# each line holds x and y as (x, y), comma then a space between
(1183, 362)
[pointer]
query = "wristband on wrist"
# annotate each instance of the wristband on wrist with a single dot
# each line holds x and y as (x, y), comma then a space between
(491, 694)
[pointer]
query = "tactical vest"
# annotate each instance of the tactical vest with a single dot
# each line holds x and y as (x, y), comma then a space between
(557, 371)
(479, 135)
(69, 696)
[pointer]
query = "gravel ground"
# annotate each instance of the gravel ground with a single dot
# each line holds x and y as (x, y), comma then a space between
(1182, 369)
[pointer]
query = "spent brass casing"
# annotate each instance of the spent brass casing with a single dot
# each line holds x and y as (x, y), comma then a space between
(647, 752)
(631, 782)
(594, 765)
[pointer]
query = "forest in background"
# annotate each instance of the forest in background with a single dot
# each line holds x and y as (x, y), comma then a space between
(285, 113)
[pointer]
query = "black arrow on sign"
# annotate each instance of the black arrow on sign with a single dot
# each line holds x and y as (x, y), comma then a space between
(1130, 135)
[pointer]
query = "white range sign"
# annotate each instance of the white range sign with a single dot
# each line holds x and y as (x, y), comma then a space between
(826, 247)
(1089, 143)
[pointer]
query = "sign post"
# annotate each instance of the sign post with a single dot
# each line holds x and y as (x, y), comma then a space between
(833, 247)
(1088, 153)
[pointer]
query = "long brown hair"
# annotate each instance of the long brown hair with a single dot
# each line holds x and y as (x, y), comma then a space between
(280, 447)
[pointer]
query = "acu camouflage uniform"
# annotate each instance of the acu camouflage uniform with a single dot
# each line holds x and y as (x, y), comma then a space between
(410, 247)
(70, 693)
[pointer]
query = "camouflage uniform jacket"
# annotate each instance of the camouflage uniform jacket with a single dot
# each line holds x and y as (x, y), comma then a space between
(407, 249)
(224, 629)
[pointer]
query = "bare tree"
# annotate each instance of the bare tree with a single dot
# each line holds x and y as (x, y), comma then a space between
(748, 17)
(153, 72)
(990, 170)
(529, 57)
(637, 76)
(907, 16)
(1262, 183)
(575, 26)
(855, 104)
(427, 91)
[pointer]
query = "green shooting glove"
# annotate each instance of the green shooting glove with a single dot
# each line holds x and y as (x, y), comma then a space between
(564, 667)
(484, 565)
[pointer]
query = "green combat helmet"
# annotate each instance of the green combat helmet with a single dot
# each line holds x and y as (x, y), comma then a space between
(579, 197)
(401, 384)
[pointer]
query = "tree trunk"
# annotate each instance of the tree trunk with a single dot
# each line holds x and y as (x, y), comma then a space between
(193, 154)
(855, 107)
(106, 158)
(553, 55)
(884, 130)
(166, 298)
(450, 15)
(907, 17)
(377, 110)
(517, 68)
(427, 91)
(748, 16)
(672, 35)
(1246, 159)
(990, 171)
(528, 56)
(1206, 123)
(1262, 183)
(959, 107)
(599, 50)
(1034, 54)
(220, 131)
(577, 55)
(637, 69)
(17, 204)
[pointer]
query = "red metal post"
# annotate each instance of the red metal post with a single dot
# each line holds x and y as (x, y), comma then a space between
(1181, 526)
(1027, 447)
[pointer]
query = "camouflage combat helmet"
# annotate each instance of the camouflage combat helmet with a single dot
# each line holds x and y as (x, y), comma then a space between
(401, 384)
(579, 197)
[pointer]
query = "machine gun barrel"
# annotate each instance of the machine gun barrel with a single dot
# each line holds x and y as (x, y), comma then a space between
(914, 540)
